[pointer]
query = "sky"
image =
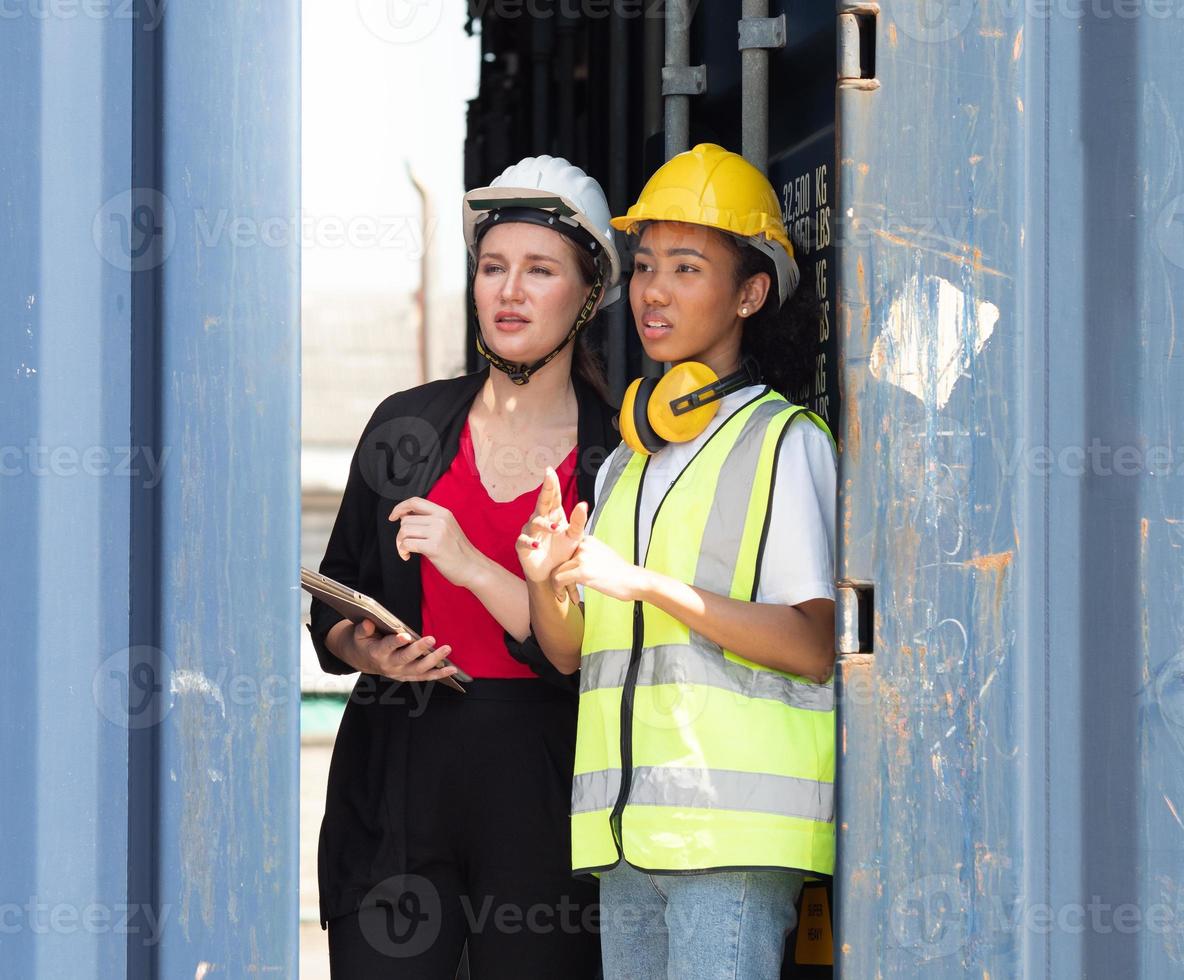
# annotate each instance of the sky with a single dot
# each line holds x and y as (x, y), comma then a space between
(385, 84)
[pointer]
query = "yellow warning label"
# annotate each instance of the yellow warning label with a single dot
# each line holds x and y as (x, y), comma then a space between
(815, 945)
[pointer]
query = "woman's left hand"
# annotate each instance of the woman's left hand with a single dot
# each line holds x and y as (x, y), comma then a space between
(432, 531)
(596, 566)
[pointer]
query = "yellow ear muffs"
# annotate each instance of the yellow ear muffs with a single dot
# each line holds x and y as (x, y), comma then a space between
(677, 406)
(681, 380)
(636, 430)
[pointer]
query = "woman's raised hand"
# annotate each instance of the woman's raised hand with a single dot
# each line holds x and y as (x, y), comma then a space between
(549, 539)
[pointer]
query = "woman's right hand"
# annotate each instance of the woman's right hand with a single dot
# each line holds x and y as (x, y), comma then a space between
(548, 539)
(393, 655)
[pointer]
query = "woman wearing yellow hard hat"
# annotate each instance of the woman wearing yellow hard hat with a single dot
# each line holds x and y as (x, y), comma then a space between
(703, 789)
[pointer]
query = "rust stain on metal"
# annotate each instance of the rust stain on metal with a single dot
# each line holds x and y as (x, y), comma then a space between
(854, 424)
(976, 159)
(996, 563)
(848, 512)
(865, 307)
(996, 33)
(1017, 47)
(974, 254)
(892, 35)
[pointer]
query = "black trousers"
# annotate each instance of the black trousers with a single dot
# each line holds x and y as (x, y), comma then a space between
(488, 799)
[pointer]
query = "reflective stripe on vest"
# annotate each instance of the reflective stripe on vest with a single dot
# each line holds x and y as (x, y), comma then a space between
(721, 789)
(690, 757)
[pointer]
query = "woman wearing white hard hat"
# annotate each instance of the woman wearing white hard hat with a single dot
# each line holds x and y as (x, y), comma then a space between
(446, 819)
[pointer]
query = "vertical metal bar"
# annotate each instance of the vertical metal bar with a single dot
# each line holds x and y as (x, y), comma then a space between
(567, 24)
(618, 187)
(143, 667)
(541, 52)
(653, 41)
(754, 93)
(423, 300)
(678, 55)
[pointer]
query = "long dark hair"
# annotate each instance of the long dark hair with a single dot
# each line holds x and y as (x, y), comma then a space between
(586, 359)
(784, 340)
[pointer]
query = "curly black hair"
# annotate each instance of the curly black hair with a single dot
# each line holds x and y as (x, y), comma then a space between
(783, 341)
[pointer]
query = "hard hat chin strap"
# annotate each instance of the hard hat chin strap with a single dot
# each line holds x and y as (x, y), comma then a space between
(520, 373)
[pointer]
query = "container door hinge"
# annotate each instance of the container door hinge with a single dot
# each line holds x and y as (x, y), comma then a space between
(855, 617)
(857, 46)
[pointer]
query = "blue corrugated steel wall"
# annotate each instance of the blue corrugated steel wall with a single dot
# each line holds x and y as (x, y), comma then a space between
(1011, 202)
(149, 493)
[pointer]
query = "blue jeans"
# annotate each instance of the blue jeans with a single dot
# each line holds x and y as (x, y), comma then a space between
(718, 925)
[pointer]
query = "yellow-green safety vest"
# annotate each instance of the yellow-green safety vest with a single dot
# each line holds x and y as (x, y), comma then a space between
(688, 756)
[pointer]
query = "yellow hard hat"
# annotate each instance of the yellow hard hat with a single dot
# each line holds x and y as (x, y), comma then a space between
(711, 186)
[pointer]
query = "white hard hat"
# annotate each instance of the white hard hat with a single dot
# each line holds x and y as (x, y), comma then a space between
(574, 201)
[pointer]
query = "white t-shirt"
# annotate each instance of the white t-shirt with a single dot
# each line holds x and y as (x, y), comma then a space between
(799, 559)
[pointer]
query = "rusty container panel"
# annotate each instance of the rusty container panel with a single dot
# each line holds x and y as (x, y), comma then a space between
(1011, 257)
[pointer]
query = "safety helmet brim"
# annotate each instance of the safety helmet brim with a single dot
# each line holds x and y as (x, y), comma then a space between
(480, 203)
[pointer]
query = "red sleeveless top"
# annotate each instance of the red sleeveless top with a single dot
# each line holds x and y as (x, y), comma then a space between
(453, 615)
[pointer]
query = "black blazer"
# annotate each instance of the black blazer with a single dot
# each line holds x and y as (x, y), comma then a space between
(407, 445)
